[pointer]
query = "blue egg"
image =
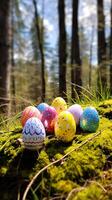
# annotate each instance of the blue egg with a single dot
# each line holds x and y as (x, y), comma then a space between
(33, 133)
(89, 120)
(42, 106)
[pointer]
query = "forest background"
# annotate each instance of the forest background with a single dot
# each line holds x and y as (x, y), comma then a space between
(54, 48)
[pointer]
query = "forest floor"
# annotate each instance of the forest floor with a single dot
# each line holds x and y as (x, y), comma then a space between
(85, 174)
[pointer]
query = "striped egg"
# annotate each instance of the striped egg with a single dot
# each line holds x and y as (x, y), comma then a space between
(29, 112)
(33, 134)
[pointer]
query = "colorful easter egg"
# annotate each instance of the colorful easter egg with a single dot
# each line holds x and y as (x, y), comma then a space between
(33, 134)
(48, 118)
(76, 110)
(89, 120)
(65, 126)
(59, 104)
(29, 112)
(42, 106)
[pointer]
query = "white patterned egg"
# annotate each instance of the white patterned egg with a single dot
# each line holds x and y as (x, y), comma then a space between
(33, 134)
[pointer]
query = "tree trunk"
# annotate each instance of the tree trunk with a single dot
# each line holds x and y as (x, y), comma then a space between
(62, 49)
(4, 55)
(76, 69)
(12, 59)
(91, 51)
(111, 50)
(40, 42)
(102, 69)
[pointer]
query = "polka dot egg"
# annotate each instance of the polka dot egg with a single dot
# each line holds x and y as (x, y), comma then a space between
(48, 118)
(89, 120)
(65, 126)
(59, 104)
(33, 134)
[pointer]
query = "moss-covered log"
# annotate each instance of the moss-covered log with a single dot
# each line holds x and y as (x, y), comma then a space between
(85, 174)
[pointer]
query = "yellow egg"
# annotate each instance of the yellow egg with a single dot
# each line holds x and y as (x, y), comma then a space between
(59, 104)
(65, 126)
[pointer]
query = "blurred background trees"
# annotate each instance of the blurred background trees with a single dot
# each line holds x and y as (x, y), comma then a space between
(5, 54)
(50, 48)
(102, 57)
(76, 68)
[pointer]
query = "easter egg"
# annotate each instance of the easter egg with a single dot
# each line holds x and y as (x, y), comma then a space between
(76, 110)
(33, 134)
(65, 126)
(48, 118)
(29, 112)
(89, 120)
(42, 106)
(59, 104)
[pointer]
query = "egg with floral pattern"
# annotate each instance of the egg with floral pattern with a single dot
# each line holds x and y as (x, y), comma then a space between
(65, 127)
(33, 134)
(29, 112)
(89, 120)
(59, 104)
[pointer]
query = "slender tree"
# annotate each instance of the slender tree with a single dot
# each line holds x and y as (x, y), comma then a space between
(4, 55)
(62, 49)
(91, 55)
(76, 69)
(111, 49)
(12, 56)
(40, 43)
(102, 69)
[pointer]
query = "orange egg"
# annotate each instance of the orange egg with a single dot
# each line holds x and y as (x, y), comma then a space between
(29, 112)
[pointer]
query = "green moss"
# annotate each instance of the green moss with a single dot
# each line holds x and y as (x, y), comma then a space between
(3, 170)
(64, 186)
(84, 164)
(105, 109)
(92, 192)
(93, 161)
(106, 103)
(56, 173)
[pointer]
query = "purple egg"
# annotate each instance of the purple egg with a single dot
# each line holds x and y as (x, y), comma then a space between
(76, 110)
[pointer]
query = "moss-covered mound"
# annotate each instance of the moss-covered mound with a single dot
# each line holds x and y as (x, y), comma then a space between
(84, 174)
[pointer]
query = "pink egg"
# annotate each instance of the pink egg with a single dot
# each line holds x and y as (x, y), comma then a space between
(29, 112)
(48, 118)
(76, 110)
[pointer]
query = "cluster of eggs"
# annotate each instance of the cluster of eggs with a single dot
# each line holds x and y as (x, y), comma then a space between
(57, 119)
